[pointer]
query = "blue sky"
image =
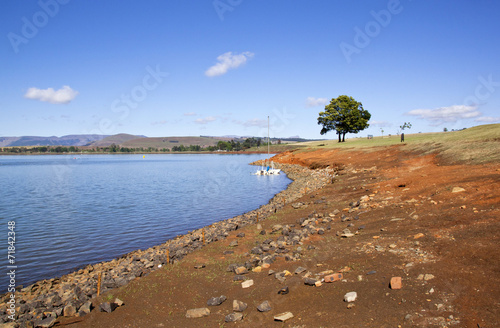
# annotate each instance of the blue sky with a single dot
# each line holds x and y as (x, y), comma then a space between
(188, 68)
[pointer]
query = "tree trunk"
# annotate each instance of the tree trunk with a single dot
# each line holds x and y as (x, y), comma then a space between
(339, 137)
(343, 137)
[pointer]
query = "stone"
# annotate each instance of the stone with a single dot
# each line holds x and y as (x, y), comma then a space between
(300, 270)
(234, 243)
(241, 270)
(215, 301)
(418, 235)
(457, 189)
(69, 310)
(264, 306)
(86, 307)
(283, 291)
(257, 269)
(265, 265)
(235, 316)
(241, 235)
(396, 283)
(118, 302)
(256, 250)
(200, 266)
(350, 297)
(239, 306)
(108, 307)
(283, 316)
(46, 323)
(318, 283)
(333, 277)
(428, 276)
(350, 305)
(247, 283)
(310, 281)
(197, 313)
(239, 278)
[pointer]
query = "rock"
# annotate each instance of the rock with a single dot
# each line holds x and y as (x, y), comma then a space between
(234, 317)
(197, 313)
(283, 316)
(264, 306)
(46, 323)
(85, 308)
(418, 235)
(69, 310)
(300, 270)
(347, 234)
(241, 235)
(199, 266)
(214, 301)
(239, 306)
(428, 276)
(241, 270)
(396, 283)
(265, 265)
(310, 281)
(228, 252)
(350, 305)
(371, 272)
(256, 250)
(234, 243)
(283, 291)
(333, 277)
(350, 297)
(457, 189)
(108, 307)
(247, 283)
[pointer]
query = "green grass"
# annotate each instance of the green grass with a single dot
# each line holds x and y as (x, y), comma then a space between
(479, 144)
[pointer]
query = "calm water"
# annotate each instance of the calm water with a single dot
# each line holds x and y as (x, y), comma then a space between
(71, 211)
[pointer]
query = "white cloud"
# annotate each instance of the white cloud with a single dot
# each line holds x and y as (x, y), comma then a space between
(314, 102)
(61, 96)
(487, 119)
(253, 122)
(442, 115)
(190, 114)
(205, 120)
(228, 61)
(380, 124)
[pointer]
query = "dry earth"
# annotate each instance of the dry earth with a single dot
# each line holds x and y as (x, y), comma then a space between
(414, 224)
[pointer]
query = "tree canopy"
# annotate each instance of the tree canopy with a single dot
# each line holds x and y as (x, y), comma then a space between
(344, 115)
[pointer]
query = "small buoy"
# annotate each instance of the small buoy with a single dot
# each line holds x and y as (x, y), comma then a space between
(143, 156)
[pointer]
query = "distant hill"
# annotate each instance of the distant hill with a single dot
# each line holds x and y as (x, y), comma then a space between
(117, 139)
(126, 140)
(169, 142)
(69, 140)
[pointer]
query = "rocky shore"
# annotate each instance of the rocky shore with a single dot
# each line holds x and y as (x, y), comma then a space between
(75, 294)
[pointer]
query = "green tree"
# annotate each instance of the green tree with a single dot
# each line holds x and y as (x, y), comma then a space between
(344, 115)
(406, 125)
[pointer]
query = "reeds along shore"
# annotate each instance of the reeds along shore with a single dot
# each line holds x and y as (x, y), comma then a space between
(76, 290)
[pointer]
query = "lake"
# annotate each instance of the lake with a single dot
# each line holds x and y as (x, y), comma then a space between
(70, 210)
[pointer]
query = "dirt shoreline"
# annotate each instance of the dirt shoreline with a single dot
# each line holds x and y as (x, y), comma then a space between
(53, 295)
(387, 214)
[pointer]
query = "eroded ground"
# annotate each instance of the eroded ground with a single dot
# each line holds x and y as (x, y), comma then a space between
(408, 220)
